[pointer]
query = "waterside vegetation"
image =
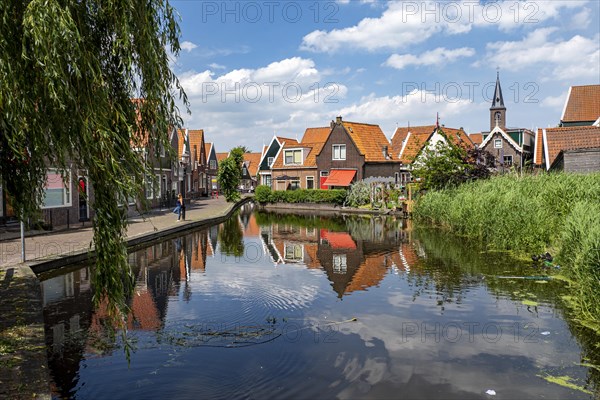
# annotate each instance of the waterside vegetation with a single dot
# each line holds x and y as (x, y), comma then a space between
(559, 213)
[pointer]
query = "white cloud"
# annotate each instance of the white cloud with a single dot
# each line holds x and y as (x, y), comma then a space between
(439, 56)
(404, 24)
(578, 57)
(217, 66)
(247, 106)
(555, 102)
(188, 46)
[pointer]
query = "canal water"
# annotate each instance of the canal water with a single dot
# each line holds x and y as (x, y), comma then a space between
(284, 306)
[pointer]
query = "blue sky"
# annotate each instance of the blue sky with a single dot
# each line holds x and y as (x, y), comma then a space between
(253, 68)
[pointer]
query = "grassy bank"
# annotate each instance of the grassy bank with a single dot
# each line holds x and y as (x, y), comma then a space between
(557, 212)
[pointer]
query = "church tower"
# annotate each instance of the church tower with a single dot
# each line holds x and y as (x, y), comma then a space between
(498, 111)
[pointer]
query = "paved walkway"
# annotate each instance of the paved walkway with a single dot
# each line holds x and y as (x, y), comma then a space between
(40, 247)
(23, 360)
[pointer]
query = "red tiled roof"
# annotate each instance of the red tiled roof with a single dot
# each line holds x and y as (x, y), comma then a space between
(207, 149)
(583, 104)
(196, 138)
(569, 138)
(252, 162)
(369, 139)
(316, 135)
(539, 147)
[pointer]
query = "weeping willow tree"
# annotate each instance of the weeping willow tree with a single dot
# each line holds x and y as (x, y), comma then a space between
(69, 70)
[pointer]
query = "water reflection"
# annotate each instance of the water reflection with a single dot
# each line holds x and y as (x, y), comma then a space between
(273, 298)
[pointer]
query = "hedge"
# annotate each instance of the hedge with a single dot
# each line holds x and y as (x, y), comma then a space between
(264, 194)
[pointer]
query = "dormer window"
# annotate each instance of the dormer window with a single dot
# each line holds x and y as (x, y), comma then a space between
(293, 157)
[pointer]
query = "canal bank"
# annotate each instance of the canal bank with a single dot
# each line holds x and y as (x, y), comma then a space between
(23, 359)
(323, 208)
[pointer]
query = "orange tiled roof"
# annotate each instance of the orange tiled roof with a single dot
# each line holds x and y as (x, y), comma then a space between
(583, 104)
(570, 138)
(369, 139)
(287, 140)
(417, 140)
(207, 149)
(316, 135)
(252, 162)
(222, 156)
(264, 150)
(252, 229)
(476, 138)
(196, 138)
(309, 162)
(402, 132)
(539, 147)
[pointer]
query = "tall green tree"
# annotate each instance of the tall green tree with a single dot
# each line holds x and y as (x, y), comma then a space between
(69, 70)
(230, 174)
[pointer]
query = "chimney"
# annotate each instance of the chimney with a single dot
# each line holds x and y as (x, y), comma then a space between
(338, 119)
(332, 125)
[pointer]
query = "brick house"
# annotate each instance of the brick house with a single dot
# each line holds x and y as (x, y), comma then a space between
(511, 147)
(295, 166)
(269, 153)
(352, 152)
(192, 159)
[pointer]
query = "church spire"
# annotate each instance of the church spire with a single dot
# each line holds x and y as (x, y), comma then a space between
(498, 110)
(498, 101)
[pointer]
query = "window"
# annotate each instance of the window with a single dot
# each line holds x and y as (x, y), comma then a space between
(293, 157)
(339, 151)
(295, 184)
(152, 187)
(310, 182)
(508, 161)
(56, 192)
(396, 177)
(244, 171)
(311, 232)
(324, 173)
(340, 265)
(270, 161)
(498, 143)
(294, 252)
(267, 180)
(213, 164)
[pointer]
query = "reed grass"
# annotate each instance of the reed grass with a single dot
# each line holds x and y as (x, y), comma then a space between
(556, 212)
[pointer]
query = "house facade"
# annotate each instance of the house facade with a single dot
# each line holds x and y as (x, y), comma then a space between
(295, 166)
(250, 171)
(269, 153)
(212, 167)
(352, 152)
(192, 159)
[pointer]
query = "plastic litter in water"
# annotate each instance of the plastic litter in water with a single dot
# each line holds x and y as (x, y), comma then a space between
(491, 392)
(545, 333)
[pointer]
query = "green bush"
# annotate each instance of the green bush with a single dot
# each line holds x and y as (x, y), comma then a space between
(264, 194)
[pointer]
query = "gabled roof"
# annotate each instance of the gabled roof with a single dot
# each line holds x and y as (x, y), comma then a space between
(419, 136)
(252, 161)
(264, 150)
(369, 140)
(316, 135)
(183, 141)
(400, 134)
(196, 138)
(506, 137)
(207, 148)
(556, 140)
(282, 139)
(309, 162)
(583, 104)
